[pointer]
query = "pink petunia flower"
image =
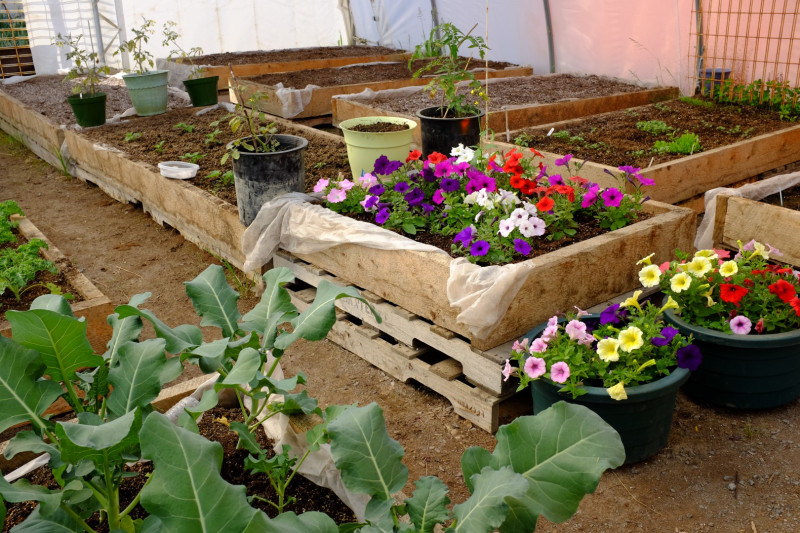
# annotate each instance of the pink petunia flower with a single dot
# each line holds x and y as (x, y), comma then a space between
(539, 345)
(559, 372)
(534, 367)
(575, 329)
(346, 185)
(520, 346)
(321, 185)
(741, 325)
(507, 370)
(336, 195)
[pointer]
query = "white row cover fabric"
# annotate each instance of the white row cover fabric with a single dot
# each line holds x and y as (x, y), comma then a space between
(481, 294)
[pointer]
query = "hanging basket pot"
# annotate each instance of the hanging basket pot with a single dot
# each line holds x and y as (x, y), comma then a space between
(743, 371)
(443, 134)
(89, 110)
(364, 147)
(202, 91)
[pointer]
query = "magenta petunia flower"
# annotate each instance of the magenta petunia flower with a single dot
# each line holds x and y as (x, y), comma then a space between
(438, 197)
(740, 325)
(563, 161)
(559, 372)
(522, 247)
(479, 248)
(534, 367)
(612, 197)
(590, 197)
(556, 179)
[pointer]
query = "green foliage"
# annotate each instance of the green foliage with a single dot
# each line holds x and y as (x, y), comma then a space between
(187, 128)
(86, 65)
(192, 157)
(19, 266)
(159, 147)
(523, 139)
(223, 179)
(775, 95)
(653, 127)
(566, 136)
(135, 46)
(132, 136)
(662, 107)
(8, 208)
(696, 101)
(449, 70)
(211, 138)
(171, 40)
(261, 138)
(688, 143)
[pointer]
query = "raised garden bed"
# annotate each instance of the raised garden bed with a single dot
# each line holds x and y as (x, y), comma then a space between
(513, 103)
(255, 63)
(203, 210)
(308, 93)
(738, 143)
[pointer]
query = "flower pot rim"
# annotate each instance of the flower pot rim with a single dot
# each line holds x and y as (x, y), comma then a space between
(303, 144)
(79, 98)
(148, 73)
(349, 123)
(420, 114)
(768, 340)
(202, 79)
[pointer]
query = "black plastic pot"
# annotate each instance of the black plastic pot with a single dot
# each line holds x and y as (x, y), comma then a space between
(89, 110)
(202, 91)
(443, 134)
(261, 176)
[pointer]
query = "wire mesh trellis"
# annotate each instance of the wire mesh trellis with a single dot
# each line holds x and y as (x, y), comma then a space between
(15, 51)
(753, 43)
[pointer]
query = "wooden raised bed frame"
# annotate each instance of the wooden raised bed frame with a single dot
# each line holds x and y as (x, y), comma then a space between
(583, 274)
(42, 137)
(519, 117)
(742, 219)
(320, 97)
(685, 180)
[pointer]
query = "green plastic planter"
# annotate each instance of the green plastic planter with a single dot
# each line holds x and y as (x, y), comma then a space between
(363, 148)
(643, 420)
(202, 91)
(89, 110)
(148, 92)
(743, 371)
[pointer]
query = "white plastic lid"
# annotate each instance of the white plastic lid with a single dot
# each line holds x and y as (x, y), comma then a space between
(178, 169)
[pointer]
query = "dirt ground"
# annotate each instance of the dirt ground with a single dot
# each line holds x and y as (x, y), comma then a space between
(723, 470)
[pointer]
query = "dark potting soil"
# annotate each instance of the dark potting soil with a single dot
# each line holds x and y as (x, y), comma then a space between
(38, 287)
(214, 425)
(613, 138)
(350, 74)
(379, 127)
(293, 54)
(162, 140)
(789, 198)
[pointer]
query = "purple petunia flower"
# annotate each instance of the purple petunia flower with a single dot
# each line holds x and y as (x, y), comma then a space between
(495, 167)
(479, 248)
(386, 167)
(428, 174)
(563, 161)
(427, 208)
(401, 186)
(667, 334)
(612, 197)
(556, 179)
(465, 236)
(612, 314)
(445, 168)
(415, 196)
(382, 215)
(370, 202)
(377, 190)
(689, 357)
(522, 247)
(450, 185)
(590, 198)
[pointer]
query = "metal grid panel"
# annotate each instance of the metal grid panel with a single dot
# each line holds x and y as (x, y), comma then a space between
(747, 41)
(15, 51)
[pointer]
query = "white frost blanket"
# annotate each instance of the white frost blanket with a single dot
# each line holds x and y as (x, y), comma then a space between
(481, 294)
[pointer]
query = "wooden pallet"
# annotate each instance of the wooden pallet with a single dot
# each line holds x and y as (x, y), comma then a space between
(405, 362)
(481, 368)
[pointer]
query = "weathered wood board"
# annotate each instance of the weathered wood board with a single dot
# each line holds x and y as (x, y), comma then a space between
(42, 137)
(741, 219)
(517, 117)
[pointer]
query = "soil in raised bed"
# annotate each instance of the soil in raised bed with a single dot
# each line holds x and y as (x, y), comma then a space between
(293, 54)
(325, 157)
(505, 92)
(789, 198)
(48, 95)
(214, 425)
(613, 138)
(351, 74)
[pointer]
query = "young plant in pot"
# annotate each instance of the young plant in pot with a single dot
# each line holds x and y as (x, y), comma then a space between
(87, 103)
(265, 164)
(369, 138)
(744, 313)
(147, 88)
(625, 364)
(457, 118)
(202, 90)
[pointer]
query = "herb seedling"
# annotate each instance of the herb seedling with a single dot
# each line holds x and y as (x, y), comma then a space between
(211, 138)
(192, 157)
(688, 143)
(132, 136)
(159, 146)
(653, 127)
(523, 139)
(187, 128)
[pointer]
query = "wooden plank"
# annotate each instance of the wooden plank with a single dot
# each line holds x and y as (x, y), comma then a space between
(718, 235)
(745, 219)
(448, 369)
(317, 101)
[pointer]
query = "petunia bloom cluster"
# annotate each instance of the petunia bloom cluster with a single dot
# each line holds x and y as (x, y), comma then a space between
(494, 208)
(743, 295)
(627, 344)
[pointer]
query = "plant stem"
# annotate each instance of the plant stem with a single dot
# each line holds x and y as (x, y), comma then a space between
(135, 501)
(75, 516)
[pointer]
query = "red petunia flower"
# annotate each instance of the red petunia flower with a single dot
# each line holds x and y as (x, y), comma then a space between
(783, 290)
(517, 181)
(545, 204)
(413, 155)
(530, 188)
(536, 153)
(436, 158)
(795, 303)
(732, 293)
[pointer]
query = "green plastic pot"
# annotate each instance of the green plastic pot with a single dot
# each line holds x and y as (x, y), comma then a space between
(443, 134)
(743, 371)
(202, 91)
(643, 420)
(363, 148)
(148, 92)
(89, 110)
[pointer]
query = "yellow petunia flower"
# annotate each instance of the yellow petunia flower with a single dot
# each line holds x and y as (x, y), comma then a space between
(617, 392)
(680, 282)
(649, 276)
(728, 269)
(646, 260)
(633, 301)
(711, 255)
(671, 304)
(607, 350)
(698, 266)
(631, 339)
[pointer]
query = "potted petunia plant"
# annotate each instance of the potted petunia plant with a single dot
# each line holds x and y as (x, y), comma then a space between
(625, 364)
(744, 312)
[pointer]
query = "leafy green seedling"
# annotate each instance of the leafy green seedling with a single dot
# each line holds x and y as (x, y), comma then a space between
(211, 138)
(688, 143)
(132, 136)
(192, 157)
(188, 128)
(19, 267)
(159, 146)
(653, 127)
